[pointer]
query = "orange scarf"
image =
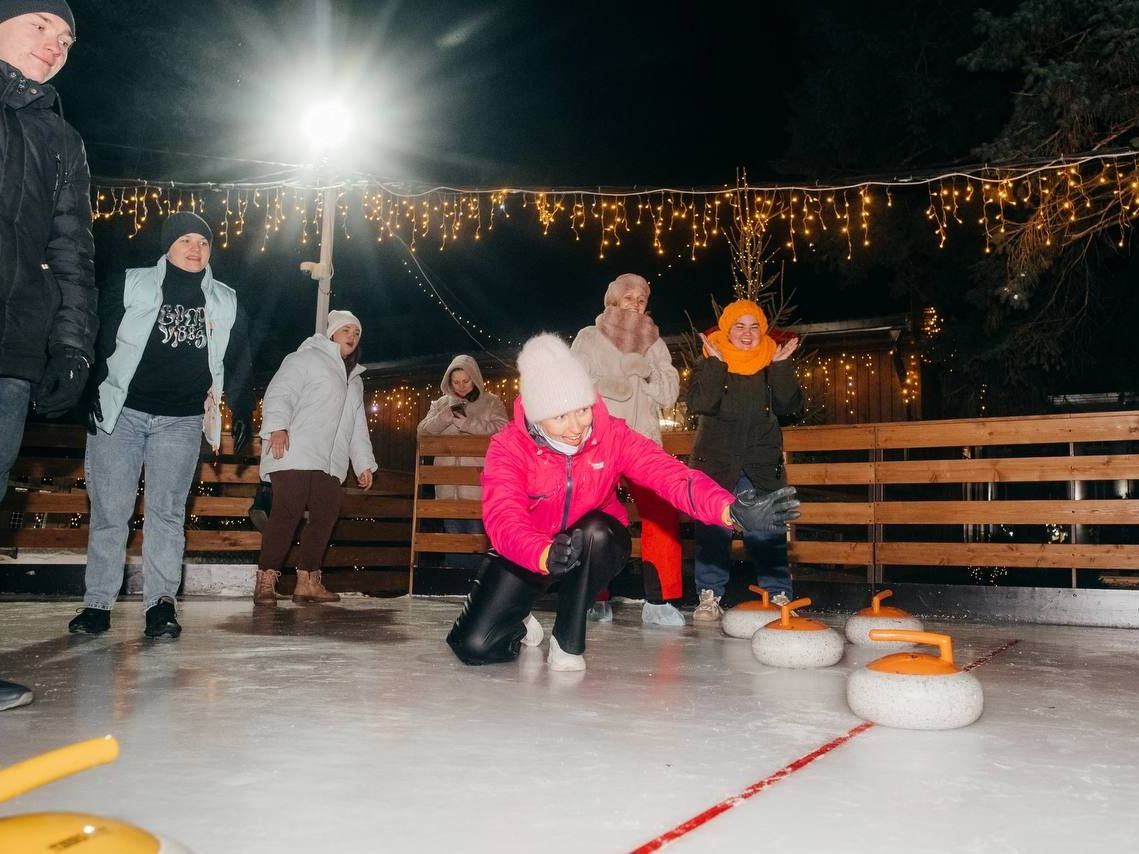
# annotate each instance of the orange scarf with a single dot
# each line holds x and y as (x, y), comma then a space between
(745, 362)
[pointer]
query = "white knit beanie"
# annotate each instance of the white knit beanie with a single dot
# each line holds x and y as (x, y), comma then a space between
(339, 319)
(553, 381)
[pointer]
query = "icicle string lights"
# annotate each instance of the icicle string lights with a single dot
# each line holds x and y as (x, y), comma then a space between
(1042, 204)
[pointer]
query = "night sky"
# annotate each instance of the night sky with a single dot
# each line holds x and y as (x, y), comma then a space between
(498, 93)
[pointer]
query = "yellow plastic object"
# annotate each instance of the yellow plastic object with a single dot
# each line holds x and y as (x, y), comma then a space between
(52, 832)
(876, 608)
(56, 764)
(915, 663)
(762, 605)
(787, 623)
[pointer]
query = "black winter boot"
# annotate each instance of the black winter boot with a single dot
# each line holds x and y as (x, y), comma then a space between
(91, 621)
(161, 621)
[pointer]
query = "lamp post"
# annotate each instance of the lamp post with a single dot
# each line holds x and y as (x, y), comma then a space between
(327, 126)
(322, 269)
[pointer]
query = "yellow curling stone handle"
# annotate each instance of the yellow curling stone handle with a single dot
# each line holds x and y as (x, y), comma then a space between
(876, 599)
(944, 643)
(56, 764)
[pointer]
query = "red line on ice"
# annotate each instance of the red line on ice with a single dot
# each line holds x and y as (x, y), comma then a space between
(783, 773)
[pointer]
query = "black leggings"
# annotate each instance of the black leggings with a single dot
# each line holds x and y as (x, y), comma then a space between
(490, 628)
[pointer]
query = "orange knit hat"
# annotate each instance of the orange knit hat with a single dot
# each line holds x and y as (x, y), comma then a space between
(746, 362)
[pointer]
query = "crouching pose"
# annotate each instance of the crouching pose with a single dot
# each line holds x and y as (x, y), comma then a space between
(551, 510)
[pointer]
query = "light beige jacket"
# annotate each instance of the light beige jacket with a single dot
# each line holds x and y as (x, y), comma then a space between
(636, 388)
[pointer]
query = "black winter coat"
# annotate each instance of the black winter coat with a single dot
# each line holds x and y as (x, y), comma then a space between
(47, 271)
(739, 422)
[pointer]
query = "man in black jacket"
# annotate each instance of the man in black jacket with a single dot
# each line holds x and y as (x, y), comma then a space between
(47, 286)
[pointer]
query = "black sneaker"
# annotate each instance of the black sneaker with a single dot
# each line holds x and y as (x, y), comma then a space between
(13, 695)
(161, 621)
(91, 621)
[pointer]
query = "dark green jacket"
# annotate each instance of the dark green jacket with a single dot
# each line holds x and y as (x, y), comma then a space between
(739, 422)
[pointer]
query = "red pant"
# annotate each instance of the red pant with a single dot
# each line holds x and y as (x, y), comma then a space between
(660, 546)
(294, 492)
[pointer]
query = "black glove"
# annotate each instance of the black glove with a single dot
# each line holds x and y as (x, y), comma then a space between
(94, 412)
(565, 552)
(240, 431)
(767, 513)
(63, 382)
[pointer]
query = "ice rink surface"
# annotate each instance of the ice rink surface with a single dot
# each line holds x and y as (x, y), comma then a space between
(352, 728)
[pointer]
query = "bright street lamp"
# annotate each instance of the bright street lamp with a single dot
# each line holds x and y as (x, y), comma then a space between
(326, 127)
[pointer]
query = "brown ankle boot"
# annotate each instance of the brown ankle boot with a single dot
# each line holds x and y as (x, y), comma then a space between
(310, 589)
(265, 588)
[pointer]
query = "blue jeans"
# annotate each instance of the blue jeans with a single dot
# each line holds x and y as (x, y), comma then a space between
(14, 397)
(714, 556)
(169, 448)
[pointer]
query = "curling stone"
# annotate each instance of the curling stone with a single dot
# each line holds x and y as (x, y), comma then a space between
(911, 690)
(743, 620)
(796, 641)
(52, 832)
(878, 616)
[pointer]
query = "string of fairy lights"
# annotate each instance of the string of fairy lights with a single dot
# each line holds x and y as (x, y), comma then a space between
(1045, 204)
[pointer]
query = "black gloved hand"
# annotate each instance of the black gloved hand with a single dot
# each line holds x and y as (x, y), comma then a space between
(240, 431)
(63, 382)
(94, 412)
(766, 513)
(565, 552)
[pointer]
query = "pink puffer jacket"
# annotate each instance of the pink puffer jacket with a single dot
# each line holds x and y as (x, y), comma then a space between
(531, 492)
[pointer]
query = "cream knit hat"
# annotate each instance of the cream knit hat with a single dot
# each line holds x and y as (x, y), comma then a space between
(553, 380)
(623, 284)
(339, 319)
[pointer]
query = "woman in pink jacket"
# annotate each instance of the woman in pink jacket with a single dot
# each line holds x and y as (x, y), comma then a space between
(551, 510)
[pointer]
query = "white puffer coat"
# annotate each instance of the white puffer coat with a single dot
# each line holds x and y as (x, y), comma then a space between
(323, 410)
(483, 417)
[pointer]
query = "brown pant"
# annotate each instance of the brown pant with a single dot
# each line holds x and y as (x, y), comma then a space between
(293, 493)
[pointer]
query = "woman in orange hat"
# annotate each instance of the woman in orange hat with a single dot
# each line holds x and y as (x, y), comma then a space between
(743, 385)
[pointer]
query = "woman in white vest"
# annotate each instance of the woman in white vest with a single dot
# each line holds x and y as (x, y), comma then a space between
(312, 425)
(465, 409)
(171, 338)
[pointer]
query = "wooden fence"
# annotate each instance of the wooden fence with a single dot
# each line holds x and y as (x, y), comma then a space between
(1043, 492)
(46, 508)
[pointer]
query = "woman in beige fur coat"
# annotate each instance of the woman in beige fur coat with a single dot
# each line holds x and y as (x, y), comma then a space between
(632, 368)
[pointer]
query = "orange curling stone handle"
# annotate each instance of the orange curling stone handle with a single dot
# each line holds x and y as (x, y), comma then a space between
(764, 604)
(876, 608)
(915, 663)
(795, 624)
(56, 764)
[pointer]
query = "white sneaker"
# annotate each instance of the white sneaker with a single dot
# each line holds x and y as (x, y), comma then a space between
(601, 612)
(709, 610)
(534, 633)
(661, 615)
(563, 661)
(780, 599)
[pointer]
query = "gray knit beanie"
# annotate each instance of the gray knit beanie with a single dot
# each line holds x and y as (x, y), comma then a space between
(14, 8)
(181, 223)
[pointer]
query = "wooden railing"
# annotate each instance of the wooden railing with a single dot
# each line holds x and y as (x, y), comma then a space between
(374, 528)
(911, 493)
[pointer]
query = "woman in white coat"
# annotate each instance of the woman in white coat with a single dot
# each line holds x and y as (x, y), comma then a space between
(312, 425)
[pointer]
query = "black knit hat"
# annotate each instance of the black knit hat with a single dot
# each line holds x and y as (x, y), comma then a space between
(181, 223)
(13, 8)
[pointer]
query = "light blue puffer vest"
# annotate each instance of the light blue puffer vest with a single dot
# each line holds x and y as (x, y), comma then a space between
(142, 298)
